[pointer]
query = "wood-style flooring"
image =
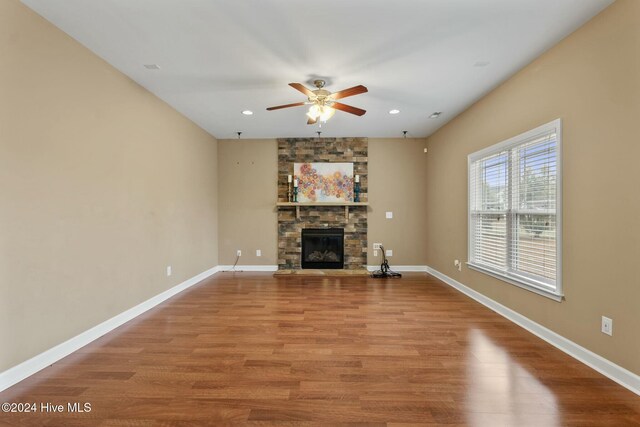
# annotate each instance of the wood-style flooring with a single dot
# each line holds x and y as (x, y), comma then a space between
(253, 349)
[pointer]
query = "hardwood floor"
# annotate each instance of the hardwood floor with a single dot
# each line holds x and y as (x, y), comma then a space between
(252, 349)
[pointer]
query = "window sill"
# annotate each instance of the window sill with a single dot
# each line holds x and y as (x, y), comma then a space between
(519, 283)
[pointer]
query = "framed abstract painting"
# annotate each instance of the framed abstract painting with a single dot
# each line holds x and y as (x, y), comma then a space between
(324, 182)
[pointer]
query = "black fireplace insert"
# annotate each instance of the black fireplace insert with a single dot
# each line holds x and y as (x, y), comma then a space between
(322, 248)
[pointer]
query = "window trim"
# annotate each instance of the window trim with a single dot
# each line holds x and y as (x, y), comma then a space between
(512, 278)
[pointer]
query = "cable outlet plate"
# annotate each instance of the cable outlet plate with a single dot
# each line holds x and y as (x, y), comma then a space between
(239, 252)
(607, 326)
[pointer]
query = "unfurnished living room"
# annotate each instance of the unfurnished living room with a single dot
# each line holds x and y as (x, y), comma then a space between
(337, 213)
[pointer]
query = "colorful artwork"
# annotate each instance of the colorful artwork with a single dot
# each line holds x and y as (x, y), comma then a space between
(324, 182)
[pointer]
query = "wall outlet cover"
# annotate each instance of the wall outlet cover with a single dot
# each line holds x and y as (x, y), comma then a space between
(239, 252)
(168, 270)
(389, 215)
(389, 252)
(377, 245)
(258, 252)
(607, 326)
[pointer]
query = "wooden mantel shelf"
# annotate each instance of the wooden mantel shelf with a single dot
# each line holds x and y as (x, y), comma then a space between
(338, 204)
(323, 204)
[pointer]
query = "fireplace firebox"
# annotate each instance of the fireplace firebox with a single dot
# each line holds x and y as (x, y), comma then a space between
(322, 248)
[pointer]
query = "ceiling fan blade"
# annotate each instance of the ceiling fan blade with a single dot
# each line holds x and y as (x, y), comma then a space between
(349, 109)
(301, 88)
(356, 90)
(312, 121)
(296, 104)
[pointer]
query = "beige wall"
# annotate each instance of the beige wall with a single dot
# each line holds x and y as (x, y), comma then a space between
(103, 185)
(591, 80)
(248, 189)
(397, 173)
(248, 193)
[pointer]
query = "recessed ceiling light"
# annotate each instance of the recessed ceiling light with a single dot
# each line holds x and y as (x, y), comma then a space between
(394, 111)
(152, 66)
(435, 115)
(247, 112)
(481, 64)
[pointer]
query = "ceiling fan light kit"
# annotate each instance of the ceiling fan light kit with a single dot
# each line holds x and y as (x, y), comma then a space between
(323, 103)
(322, 113)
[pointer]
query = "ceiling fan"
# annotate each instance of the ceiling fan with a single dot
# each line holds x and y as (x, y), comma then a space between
(323, 103)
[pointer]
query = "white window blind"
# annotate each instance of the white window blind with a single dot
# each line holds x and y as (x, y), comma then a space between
(514, 216)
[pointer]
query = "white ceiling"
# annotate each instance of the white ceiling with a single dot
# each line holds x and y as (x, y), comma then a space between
(219, 57)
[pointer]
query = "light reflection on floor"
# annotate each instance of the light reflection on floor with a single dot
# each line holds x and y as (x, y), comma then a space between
(501, 392)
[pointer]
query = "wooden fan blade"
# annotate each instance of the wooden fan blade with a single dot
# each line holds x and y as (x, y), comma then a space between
(312, 121)
(297, 104)
(349, 109)
(301, 88)
(356, 90)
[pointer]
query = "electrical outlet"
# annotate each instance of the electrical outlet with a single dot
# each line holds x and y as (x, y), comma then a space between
(375, 252)
(377, 245)
(258, 252)
(168, 270)
(607, 326)
(389, 215)
(457, 264)
(388, 252)
(239, 252)
(425, 150)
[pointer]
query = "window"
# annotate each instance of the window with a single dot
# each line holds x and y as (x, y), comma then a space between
(514, 210)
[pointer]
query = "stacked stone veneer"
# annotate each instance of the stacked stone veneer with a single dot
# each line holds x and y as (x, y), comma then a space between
(324, 150)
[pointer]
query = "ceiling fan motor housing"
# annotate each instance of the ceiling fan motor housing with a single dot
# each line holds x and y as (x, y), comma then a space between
(320, 96)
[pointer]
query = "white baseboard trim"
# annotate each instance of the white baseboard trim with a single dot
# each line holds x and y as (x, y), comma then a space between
(401, 268)
(241, 268)
(607, 368)
(29, 367)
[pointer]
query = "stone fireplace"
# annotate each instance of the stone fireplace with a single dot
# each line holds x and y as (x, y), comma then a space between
(294, 220)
